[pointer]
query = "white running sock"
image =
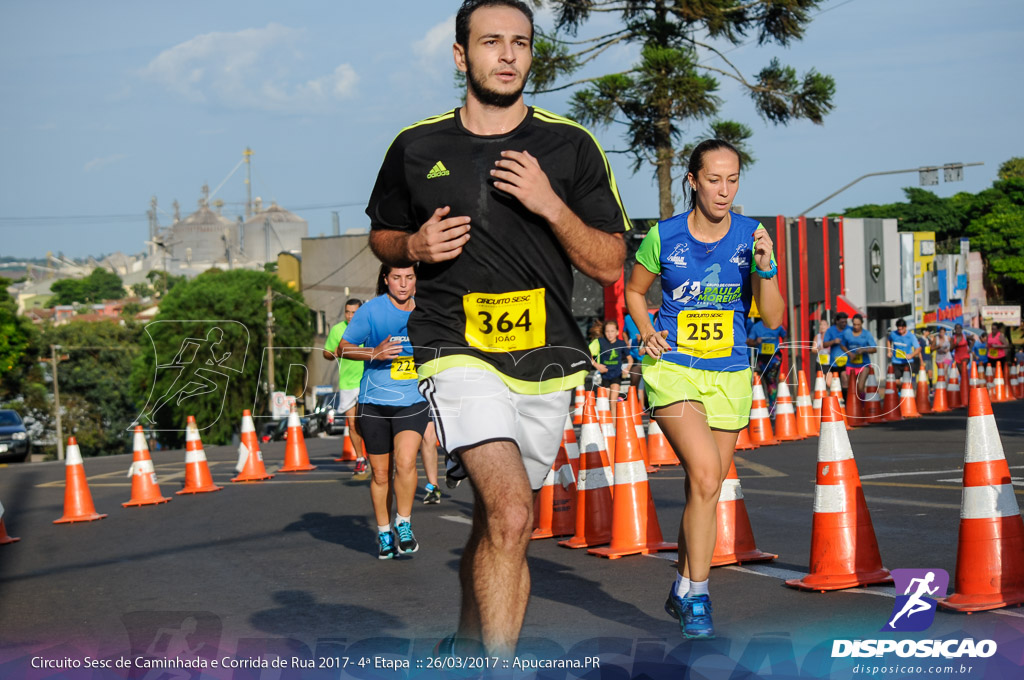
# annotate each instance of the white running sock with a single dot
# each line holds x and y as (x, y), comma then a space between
(699, 587)
(682, 585)
(399, 519)
(384, 529)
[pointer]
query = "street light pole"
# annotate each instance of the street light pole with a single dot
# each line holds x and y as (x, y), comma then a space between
(947, 166)
(56, 402)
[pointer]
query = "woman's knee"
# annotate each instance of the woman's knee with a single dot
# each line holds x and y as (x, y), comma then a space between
(704, 485)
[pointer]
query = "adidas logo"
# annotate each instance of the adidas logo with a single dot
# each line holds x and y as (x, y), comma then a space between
(438, 171)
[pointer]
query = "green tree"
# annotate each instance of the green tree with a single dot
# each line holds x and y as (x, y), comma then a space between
(996, 229)
(97, 402)
(141, 289)
(1012, 168)
(923, 211)
(19, 345)
(163, 282)
(671, 86)
(224, 313)
(101, 284)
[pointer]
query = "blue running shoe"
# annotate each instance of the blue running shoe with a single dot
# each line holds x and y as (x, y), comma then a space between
(406, 541)
(696, 619)
(386, 543)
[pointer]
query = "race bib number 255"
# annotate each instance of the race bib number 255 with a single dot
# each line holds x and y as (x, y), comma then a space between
(705, 333)
(505, 322)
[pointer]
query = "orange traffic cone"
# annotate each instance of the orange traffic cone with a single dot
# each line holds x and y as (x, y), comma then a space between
(144, 487)
(78, 505)
(593, 486)
(836, 390)
(760, 424)
(743, 442)
(990, 552)
(820, 392)
(658, 448)
(1011, 391)
(854, 409)
(250, 459)
(604, 417)
(635, 528)
(577, 409)
(1020, 382)
(785, 415)
(296, 458)
(954, 389)
(348, 450)
(806, 423)
(872, 399)
(999, 385)
(989, 382)
(554, 509)
(924, 406)
(734, 543)
(197, 470)
(5, 538)
(844, 551)
(636, 413)
(891, 404)
(908, 399)
(572, 449)
(941, 399)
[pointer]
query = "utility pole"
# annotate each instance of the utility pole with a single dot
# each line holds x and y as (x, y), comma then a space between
(270, 345)
(247, 154)
(56, 402)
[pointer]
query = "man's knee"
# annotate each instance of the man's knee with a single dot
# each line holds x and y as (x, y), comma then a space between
(510, 523)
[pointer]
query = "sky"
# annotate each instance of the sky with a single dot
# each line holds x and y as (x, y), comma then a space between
(106, 104)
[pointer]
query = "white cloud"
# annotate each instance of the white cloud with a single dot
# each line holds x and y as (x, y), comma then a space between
(433, 51)
(100, 163)
(255, 68)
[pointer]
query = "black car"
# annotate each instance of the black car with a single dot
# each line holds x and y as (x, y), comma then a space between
(330, 420)
(275, 429)
(15, 443)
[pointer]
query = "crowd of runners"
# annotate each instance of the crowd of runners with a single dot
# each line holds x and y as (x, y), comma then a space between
(479, 216)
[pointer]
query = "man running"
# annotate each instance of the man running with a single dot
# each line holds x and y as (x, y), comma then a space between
(350, 372)
(496, 200)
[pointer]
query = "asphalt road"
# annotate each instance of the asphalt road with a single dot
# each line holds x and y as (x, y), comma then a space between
(285, 572)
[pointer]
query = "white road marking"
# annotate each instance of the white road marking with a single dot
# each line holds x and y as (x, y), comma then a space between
(883, 475)
(461, 519)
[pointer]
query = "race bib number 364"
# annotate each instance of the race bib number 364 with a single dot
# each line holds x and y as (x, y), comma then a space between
(705, 333)
(505, 322)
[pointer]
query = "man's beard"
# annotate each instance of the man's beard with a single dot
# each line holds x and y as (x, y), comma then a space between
(489, 97)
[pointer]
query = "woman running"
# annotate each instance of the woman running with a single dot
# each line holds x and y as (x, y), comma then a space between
(710, 261)
(392, 415)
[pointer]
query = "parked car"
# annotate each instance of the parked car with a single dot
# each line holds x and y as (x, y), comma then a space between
(15, 443)
(327, 414)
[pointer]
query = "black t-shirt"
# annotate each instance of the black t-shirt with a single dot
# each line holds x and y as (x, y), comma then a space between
(505, 303)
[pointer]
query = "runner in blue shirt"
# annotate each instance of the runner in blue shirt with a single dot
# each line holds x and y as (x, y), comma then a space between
(711, 262)
(904, 351)
(392, 414)
(859, 344)
(768, 343)
(980, 349)
(833, 342)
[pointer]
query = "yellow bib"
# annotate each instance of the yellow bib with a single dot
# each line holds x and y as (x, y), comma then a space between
(705, 333)
(403, 368)
(505, 322)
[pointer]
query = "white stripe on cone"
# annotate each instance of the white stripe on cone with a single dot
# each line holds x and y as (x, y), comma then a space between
(829, 497)
(833, 443)
(632, 472)
(73, 455)
(983, 442)
(988, 502)
(594, 478)
(731, 491)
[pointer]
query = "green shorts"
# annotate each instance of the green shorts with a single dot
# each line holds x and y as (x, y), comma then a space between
(726, 396)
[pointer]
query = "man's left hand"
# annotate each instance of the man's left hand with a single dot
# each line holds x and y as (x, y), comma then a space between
(518, 173)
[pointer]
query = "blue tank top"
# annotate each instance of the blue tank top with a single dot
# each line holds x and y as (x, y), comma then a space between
(705, 296)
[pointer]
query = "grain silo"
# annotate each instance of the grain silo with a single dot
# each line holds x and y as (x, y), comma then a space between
(202, 238)
(269, 232)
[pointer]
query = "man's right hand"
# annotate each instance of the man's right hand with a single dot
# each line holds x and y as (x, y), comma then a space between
(439, 238)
